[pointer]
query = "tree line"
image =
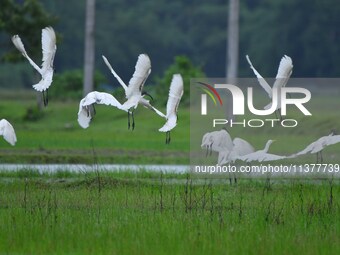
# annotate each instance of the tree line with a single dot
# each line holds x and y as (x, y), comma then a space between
(306, 30)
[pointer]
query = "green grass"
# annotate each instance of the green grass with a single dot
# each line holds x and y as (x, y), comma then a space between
(141, 213)
(58, 138)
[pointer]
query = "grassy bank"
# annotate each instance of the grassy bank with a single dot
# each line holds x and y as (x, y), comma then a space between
(56, 137)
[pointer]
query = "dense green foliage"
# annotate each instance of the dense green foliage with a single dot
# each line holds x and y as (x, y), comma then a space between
(105, 213)
(306, 30)
(68, 85)
(188, 71)
(27, 20)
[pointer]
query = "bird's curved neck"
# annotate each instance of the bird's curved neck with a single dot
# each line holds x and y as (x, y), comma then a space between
(266, 148)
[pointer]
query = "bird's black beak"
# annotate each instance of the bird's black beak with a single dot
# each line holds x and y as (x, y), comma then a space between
(147, 94)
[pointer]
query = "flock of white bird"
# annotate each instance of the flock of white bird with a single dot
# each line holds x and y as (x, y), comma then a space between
(220, 141)
(133, 90)
(134, 96)
(238, 149)
(230, 150)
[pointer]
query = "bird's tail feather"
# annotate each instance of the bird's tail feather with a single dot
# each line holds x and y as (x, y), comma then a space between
(39, 86)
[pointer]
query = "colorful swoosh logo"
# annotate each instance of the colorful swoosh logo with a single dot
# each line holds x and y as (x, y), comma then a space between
(211, 91)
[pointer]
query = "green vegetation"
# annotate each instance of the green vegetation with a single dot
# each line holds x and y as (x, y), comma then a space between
(119, 213)
(69, 84)
(26, 19)
(185, 67)
(56, 136)
(196, 29)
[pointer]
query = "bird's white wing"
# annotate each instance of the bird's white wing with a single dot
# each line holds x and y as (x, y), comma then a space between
(221, 141)
(142, 71)
(132, 102)
(223, 157)
(114, 73)
(48, 42)
(284, 72)
(175, 95)
(7, 131)
(285, 67)
(260, 79)
(20, 46)
(169, 124)
(85, 114)
(319, 144)
(332, 139)
(224, 140)
(102, 98)
(260, 156)
(272, 157)
(242, 147)
(306, 150)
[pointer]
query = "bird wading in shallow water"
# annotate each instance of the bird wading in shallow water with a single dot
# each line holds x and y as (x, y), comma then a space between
(48, 43)
(175, 95)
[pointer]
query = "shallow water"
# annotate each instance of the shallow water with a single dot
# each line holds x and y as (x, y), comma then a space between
(87, 168)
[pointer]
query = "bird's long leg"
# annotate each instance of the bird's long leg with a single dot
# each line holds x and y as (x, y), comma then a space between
(43, 93)
(317, 157)
(128, 119)
(94, 110)
(133, 120)
(169, 137)
(321, 158)
(87, 111)
(210, 150)
(207, 152)
(46, 97)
